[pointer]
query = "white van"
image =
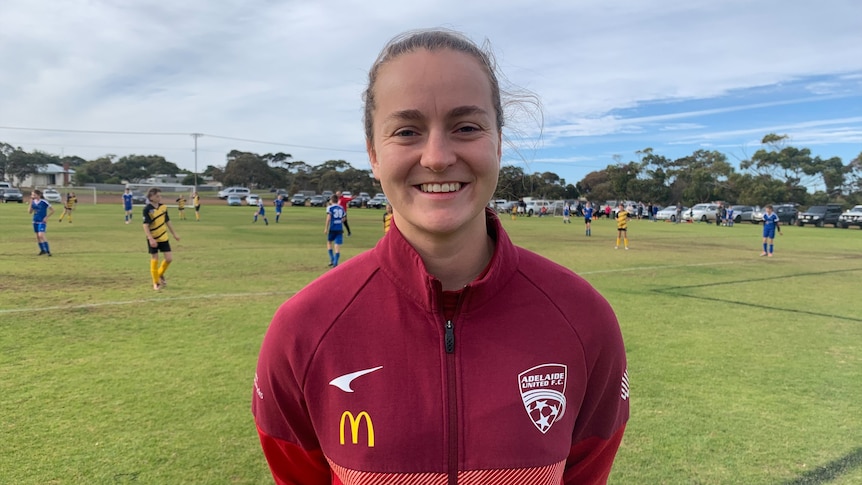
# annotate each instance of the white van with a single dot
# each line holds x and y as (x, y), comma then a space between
(240, 192)
(534, 207)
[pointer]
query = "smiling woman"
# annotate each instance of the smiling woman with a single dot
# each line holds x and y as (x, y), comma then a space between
(445, 307)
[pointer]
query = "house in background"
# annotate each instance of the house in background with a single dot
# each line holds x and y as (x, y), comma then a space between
(48, 175)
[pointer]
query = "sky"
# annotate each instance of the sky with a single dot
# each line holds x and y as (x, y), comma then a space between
(614, 77)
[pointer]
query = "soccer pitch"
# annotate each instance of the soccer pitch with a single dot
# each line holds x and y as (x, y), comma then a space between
(744, 370)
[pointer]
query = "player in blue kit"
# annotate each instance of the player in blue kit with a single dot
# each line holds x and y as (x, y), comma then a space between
(127, 204)
(334, 230)
(588, 218)
(261, 211)
(41, 210)
(770, 224)
(279, 204)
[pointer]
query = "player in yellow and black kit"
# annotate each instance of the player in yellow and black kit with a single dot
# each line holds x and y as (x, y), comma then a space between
(622, 227)
(196, 201)
(71, 201)
(181, 207)
(157, 223)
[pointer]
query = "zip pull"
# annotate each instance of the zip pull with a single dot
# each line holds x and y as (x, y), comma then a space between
(450, 337)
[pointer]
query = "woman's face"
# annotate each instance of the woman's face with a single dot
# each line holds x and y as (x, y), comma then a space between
(436, 146)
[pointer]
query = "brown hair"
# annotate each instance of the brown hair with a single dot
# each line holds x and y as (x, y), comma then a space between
(153, 191)
(431, 40)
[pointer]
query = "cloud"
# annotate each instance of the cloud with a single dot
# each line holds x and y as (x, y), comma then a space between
(292, 72)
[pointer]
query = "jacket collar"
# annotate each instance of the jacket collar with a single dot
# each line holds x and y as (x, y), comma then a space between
(403, 265)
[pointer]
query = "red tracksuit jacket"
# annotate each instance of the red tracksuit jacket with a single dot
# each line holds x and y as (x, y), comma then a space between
(363, 380)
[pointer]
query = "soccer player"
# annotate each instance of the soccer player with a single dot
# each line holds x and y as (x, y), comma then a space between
(71, 200)
(770, 224)
(567, 211)
(41, 210)
(261, 211)
(127, 204)
(334, 229)
(387, 218)
(279, 204)
(622, 227)
(196, 200)
(588, 218)
(157, 223)
(343, 202)
(181, 207)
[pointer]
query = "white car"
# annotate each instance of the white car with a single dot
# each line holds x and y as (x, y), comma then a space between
(852, 217)
(240, 191)
(669, 213)
(701, 212)
(52, 195)
(252, 199)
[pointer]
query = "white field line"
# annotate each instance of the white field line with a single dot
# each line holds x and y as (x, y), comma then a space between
(271, 293)
(135, 302)
(653, 268)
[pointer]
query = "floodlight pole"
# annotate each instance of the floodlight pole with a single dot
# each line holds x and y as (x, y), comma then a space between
(196, 136)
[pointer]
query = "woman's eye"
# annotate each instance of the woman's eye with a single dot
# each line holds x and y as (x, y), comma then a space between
(405, 132)
(467, 129)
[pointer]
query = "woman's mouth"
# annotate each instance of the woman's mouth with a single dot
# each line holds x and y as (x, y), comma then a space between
(440, 188)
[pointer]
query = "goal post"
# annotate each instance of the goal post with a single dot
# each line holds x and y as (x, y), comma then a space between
(79, 193)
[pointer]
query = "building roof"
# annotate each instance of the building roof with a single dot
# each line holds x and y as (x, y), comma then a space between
(50, 168)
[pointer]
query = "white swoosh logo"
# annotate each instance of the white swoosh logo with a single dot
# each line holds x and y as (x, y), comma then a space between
(343, 382)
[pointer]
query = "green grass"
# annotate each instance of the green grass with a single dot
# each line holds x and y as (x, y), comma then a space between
(744, 370)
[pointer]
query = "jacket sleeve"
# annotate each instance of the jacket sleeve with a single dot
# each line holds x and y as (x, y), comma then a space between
(604, 410)
(590, 461)
(292, 465)
(281, 415)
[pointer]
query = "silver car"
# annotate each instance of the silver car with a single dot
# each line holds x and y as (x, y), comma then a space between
(744, 213)
(701, 212)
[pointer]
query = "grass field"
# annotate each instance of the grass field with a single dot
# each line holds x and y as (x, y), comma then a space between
(744, 370)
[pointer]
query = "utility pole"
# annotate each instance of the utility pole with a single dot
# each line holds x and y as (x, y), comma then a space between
(196, 136)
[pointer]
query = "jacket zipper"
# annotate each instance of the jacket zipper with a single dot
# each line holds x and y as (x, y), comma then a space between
(452, 391)
(453, 402)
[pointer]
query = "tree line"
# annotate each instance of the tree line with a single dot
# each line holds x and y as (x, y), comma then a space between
(775, 173)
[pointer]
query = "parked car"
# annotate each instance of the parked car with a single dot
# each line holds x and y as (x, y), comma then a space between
(787, 213)
(669, 213)
(239, 191)
(359, 200)
(12, 194)
(252, 199)
(234, 200)
(51, 195)
(820, 215)
(852, 217)
(282, 192)
(299, 199)
(318, 201)
(701, 212)
(138, 197)
(506, 206)
(743, 213)
(534, 207)
(379, 201)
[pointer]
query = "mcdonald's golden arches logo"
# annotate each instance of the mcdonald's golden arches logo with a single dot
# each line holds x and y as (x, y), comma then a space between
(354, 427)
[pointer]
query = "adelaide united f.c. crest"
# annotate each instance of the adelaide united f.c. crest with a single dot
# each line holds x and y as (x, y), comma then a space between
(543, 391)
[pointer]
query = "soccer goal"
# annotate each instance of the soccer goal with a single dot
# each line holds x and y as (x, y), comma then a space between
(81, 193)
